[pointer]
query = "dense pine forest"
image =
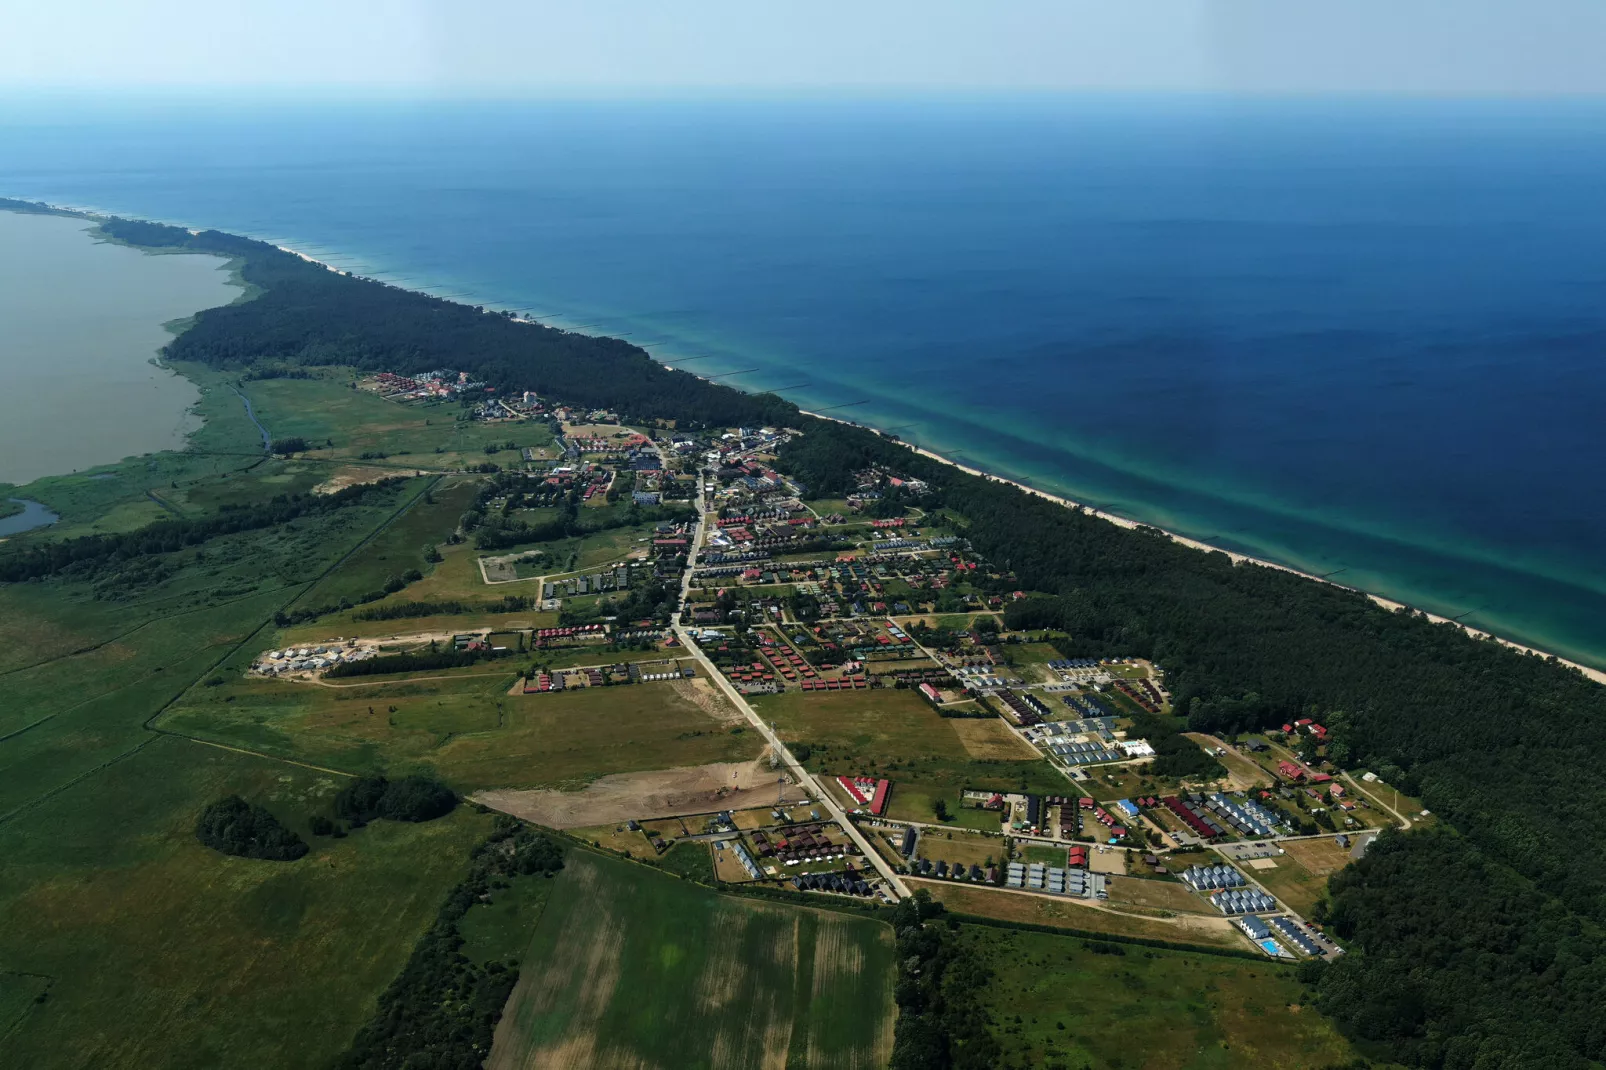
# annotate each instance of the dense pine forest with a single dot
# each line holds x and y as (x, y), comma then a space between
(307, 314)
(1479, 946)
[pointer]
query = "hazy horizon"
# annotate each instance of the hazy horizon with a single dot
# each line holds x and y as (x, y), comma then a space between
(430, 49)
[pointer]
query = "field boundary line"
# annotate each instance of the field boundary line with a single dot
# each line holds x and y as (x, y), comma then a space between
(142, 625)
(260, 754)
(1113, 938)
(85, 775)
(415, 679)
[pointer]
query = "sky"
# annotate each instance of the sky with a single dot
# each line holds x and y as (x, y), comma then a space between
(518, 48)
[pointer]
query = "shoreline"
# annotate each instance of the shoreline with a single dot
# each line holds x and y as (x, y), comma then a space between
(1597, 675)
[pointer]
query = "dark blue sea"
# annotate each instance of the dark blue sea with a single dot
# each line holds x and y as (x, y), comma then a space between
(1365, 338)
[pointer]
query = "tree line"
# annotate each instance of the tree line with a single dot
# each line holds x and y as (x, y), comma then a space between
(442, 1011)
(87, 554)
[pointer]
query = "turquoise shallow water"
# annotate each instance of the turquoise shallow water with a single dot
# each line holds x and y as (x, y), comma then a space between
(1358, 338)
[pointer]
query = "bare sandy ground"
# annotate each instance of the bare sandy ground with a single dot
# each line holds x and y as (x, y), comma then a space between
(697, 789)
(353, 476)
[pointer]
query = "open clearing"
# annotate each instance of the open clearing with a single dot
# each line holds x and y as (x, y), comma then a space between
(1057, 1002)
(1323, 856)
(1291, 882)
(990, 738)
(165, 953)
(896, 734)
(631, 968)
(1145, 894)
(1060, 912)
(469, 729)
(1242, 773)
(699, 789)
(360, 421)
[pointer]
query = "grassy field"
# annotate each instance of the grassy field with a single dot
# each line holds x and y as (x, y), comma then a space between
(896, 734)
(963, 847)
(400, 547)
(1056, 1003)
(359, 421)
(570, 556)
(1323, 856)
(165, 953)
(501, 929)
(989, 737)
(1291, 882)
(1049, 856)
(629, 967)
(468, 728)
(1031, 660)
(1142, 894)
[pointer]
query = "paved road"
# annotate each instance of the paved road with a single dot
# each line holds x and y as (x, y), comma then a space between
(799, 774)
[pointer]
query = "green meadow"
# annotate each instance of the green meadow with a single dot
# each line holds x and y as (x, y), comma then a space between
(426, 434)
(162, 952)
(1060, 1002)
(465, 728)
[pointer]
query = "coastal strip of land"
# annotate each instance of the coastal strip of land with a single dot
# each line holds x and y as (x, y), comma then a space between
(1597, 675)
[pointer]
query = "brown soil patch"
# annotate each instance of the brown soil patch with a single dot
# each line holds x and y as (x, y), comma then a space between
(1112, 861)
(707, 698)
(1010, 905)
(356, 476)
(989, 738)
(697, 789)
(1321, 857)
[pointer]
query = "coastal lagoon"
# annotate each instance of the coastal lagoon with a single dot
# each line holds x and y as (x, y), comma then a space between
(1362, 338)
(80, 321)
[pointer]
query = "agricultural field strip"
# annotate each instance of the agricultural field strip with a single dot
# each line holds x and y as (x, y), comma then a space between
(1217, 921)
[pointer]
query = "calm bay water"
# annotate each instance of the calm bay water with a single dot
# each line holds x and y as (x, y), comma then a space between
(1359, 338)
(79, 324)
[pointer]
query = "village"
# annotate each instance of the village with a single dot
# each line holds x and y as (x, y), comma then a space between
(868, 643)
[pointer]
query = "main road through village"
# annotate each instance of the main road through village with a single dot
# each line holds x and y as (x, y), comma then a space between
(799, 774)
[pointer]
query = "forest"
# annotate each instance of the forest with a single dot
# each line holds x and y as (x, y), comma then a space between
(235, 827)
(1461, 964)
(307, 314)
(941, 1024)
(1503, 746)
(412, 798)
